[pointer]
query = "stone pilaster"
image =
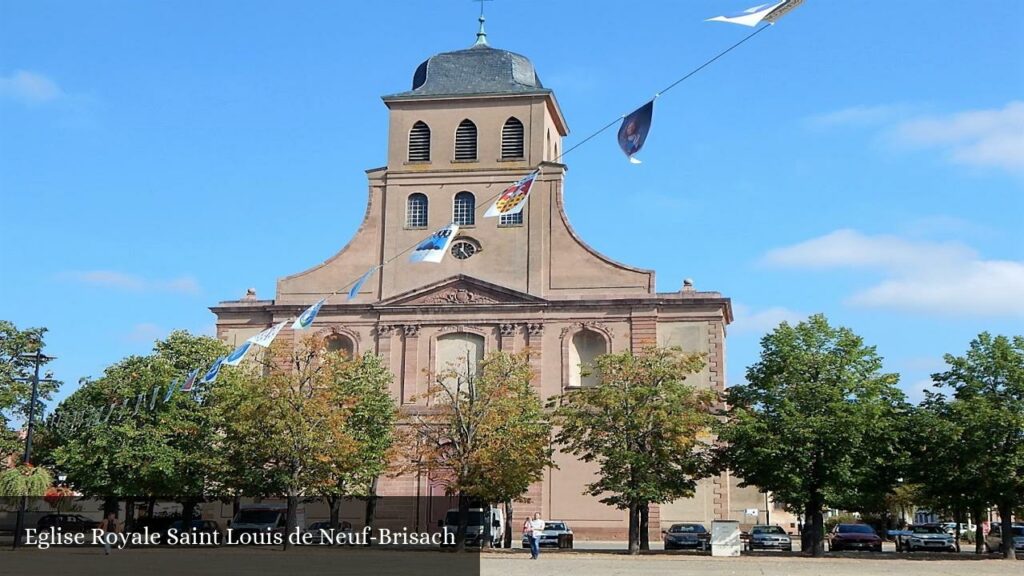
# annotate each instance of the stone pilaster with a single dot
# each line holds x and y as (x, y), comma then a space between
(643, 330)
(506, 337)
(410, 362)
(535, 343)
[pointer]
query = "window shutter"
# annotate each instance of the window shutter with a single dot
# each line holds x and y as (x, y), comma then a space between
(465, 141)
(419, 143)
(512, 139)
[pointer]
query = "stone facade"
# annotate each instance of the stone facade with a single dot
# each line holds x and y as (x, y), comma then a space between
(531, 285)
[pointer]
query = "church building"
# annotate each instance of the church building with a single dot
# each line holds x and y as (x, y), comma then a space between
(473, 122)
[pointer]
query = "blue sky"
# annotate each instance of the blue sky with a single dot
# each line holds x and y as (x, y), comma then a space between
(862, 159)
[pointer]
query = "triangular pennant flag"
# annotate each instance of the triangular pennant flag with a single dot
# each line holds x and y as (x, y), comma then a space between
(190, 381)
(211, 374)
(751, 16)
(305, 320)
(354, 290)
(152, 399)
(110, 410)
(171, 389)
(238, 354)
(138, 403)
(633, 131)
(513, 198)
(781, 11)
(433, 248)
(266, 337)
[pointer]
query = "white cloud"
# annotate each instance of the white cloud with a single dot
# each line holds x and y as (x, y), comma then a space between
(145, 332)
(932, 277)
(29, 87)
(134, 283)
(748, 321)
(858, 115)
(988, 138)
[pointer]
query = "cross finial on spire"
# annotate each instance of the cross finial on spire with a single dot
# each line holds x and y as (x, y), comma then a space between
(481, 34)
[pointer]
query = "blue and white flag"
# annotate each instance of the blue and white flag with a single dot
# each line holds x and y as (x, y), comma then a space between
(211, 375)
(764, 13)
(354, 290)
(171, 389)
(266, 337)
(190, 381)
(305, 320)
(152, 399)
(433, 248)
(138, 403)
(238, 354)
(634, 129)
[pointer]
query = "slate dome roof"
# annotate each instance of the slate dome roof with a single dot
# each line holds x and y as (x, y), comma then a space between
(477, 70)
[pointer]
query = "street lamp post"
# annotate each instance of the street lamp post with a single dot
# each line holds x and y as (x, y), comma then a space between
(38, 358)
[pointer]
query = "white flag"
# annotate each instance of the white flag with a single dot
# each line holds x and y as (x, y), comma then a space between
(266, 337)
(750, 17)
(235, 358)
(433, 248)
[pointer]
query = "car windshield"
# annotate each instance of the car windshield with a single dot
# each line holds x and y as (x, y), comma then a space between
(319, 525)
(476, 518)
(555, 526)
(1018, 530)
(855, 529)
(927, 530)
(257, 517)
(767, 530)
(687, 528)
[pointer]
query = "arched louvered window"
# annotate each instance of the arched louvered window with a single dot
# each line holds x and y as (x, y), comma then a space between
(416, 211)
(419, 142)
(512, 139)
(465, 141)
(464, 209)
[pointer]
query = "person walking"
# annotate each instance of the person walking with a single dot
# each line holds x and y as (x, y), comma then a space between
(109, 526)
(536, 531)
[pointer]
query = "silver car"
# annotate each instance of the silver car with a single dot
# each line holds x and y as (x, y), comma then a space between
(994, 540)
(926, 537)
(553, 531)
(769, 538)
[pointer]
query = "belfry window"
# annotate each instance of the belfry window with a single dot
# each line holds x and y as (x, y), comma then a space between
(419, 142)
(416, 211)
(465, 141)
(512, 139)
(464, 209)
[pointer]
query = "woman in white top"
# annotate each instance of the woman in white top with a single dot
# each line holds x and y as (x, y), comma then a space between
(536, 530)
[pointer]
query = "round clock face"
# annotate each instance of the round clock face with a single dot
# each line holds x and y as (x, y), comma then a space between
(463, 249)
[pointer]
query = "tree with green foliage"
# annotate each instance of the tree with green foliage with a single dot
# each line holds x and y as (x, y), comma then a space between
(111, 445)
(646, 427)
(25, 480)
(284, 428)
(817, 423)
(16, 368)
(977, 431)
(362, 386)
(485, 436)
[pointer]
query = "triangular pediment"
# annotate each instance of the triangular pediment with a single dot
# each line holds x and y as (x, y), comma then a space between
(460, 290)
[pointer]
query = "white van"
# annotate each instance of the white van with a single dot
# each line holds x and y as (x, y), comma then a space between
(260, 518)
(483, 522)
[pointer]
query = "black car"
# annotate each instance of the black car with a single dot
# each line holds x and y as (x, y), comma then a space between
(682, 536)
(70, 523)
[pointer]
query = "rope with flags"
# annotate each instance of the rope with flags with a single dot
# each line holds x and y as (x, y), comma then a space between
(631, 137)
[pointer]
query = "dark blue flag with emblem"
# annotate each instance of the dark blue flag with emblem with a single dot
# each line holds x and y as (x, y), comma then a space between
(633, 131)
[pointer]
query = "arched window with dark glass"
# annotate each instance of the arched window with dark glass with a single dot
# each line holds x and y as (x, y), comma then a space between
(464, 209)
(512, 139)
(419, 142)
(416, 211)
(465, 141)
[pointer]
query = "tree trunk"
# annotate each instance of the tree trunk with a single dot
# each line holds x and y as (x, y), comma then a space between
(1005, 514)
(485, 530)
(812, 543)
(129, 515)
(150, 505)
(188, 510)
(291, 517)
(956, 532)
(645, 537)
(979, 536)
(507, 538)
(335, 503)
(634, 528)
(460, 530)
(371, 509)
(236, 505)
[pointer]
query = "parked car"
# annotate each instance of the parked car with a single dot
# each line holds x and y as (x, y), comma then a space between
(994, 540)
(854, 537)
(196, 527)
(482, 523)
(260, 518)
(769, 538)
(950, 528)
(317, 536)
(553, 529)
(70, 523)
(680, 536)
(925, 537)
